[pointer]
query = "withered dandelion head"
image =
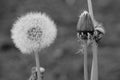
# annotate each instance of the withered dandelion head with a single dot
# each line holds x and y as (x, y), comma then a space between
(33, 32)
(85, 22)
(85, 27)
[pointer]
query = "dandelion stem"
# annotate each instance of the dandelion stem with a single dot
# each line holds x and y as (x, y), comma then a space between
(94, 71)
(38, 65)
(85, 62)
(91, 11)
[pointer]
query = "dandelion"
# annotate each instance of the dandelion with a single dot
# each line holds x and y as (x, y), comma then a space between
(89, 31)
(85, 27)
(99, 32)
(33, 32)
(85, 31)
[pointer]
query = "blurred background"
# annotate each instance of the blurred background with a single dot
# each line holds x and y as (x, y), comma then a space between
(59, 59)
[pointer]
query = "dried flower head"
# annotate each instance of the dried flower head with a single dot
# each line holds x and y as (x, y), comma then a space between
(85, 22)
(99, 32)
(85, 27)
(85, 30)
(33, 32)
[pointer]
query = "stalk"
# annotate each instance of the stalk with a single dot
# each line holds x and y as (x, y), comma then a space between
(38, 66)
(90, 9)
(94, 71)
(85, 61)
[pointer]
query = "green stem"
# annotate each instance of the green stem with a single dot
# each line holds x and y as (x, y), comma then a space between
(91, 11)
(38, 65)
(85, 62)
(94, 71)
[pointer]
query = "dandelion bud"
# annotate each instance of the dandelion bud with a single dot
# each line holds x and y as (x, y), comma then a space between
(34, 73)
(100, 29)
(99, 32)
(34, 69)
(85, 25)
(33, 32)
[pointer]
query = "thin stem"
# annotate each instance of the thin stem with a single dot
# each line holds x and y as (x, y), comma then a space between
(91, 11)
(38, 65)
(94, 71)
(90, 8)
(85, 62)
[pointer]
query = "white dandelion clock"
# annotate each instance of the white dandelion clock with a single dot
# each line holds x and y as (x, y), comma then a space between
(33, 32)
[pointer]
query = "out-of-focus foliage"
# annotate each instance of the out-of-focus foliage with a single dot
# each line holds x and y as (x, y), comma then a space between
(60, 60)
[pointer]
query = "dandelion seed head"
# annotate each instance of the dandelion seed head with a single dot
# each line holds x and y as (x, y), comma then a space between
(33, 32)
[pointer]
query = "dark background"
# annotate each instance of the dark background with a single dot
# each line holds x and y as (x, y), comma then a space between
(59, 59)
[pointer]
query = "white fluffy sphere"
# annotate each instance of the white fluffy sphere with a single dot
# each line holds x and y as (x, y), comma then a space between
(33, 32)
